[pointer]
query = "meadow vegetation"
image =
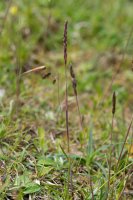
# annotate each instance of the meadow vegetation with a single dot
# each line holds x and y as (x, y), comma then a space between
(66, 100)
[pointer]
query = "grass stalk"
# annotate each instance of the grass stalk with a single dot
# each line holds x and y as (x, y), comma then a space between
(129, 171)
(127, 134)
(111, 138)
(74, 84)
(66, 84)
(58, 96)
(119, 158)
(70, 183)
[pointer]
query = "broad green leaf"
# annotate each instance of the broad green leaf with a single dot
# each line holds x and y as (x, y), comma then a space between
(32, 188)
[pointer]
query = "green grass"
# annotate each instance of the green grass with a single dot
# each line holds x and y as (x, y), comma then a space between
(34, 163)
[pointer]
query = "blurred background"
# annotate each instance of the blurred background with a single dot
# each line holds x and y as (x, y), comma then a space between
(99, 43)
(99, 46)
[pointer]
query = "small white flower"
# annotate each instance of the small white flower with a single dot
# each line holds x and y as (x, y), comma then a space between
(37, 181)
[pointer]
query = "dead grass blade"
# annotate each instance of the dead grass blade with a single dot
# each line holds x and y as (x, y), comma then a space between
(36, 69)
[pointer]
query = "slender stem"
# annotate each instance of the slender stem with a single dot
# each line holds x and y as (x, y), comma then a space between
(58, 88)
(74, 84)
(111, 149)
(129, 172)
(66, 89)
(77, 102)
(58, 97)
(128, 131)
(66, 107)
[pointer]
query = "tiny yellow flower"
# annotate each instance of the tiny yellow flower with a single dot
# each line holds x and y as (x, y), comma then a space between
(13, 10)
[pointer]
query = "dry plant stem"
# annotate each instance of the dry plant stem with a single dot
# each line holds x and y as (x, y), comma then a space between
(66, 106)
(37, 69)
(5, 16)
(111, 136)
(74, 84)
(128, 131)
(111, 149)
(58, 96)
(66, 90)
(77, 102)
(58, 85)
